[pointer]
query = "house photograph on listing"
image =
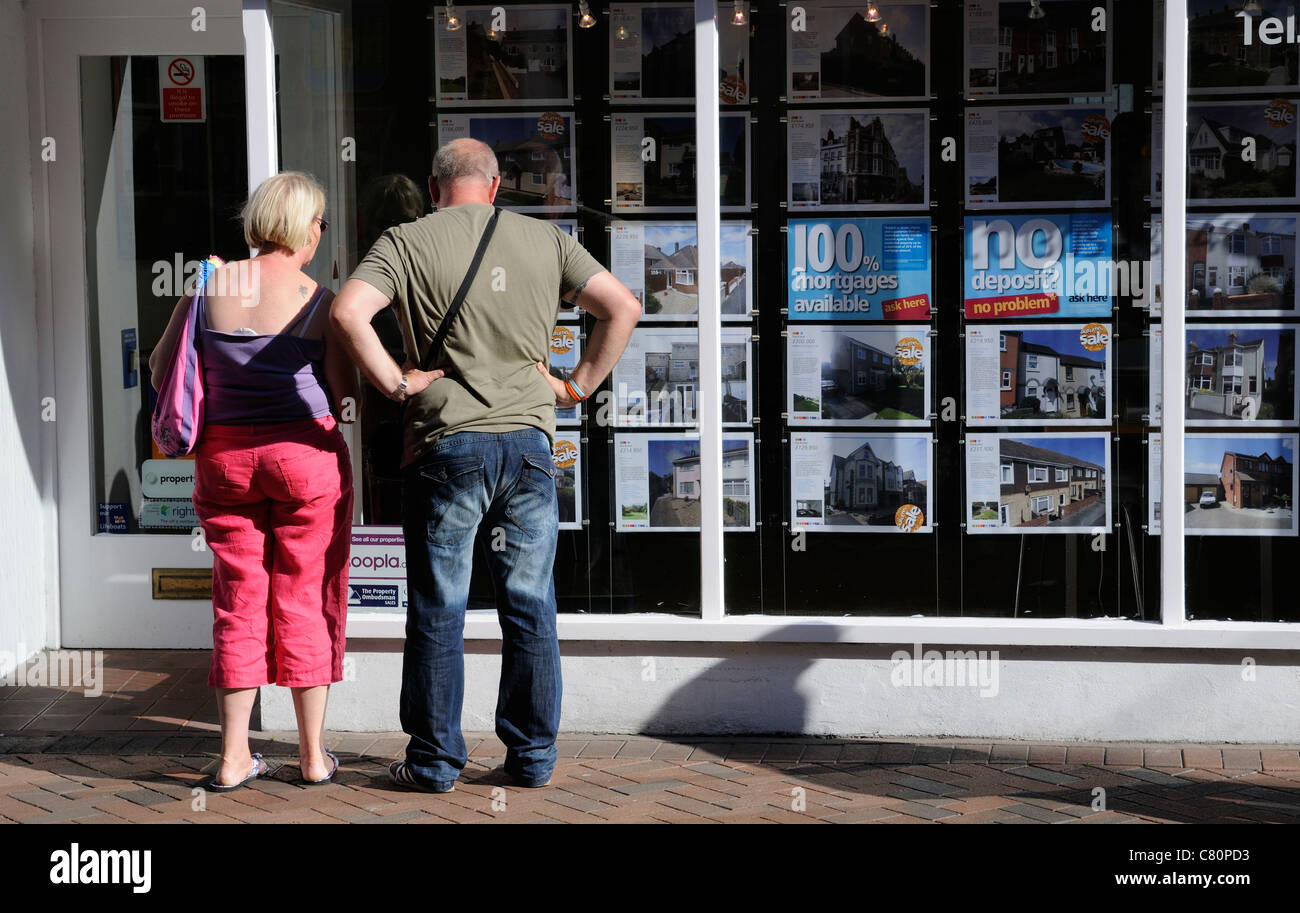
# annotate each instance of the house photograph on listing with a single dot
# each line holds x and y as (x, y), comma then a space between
(672, 269)
(1048, 374)
(1060, 486)
(1243, 373)
(1217, 169)
(1241, 263)
(674, 467)
(868, 480)
(1239, 483)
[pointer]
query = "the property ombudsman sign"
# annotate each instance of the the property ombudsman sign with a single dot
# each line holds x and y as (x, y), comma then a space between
(858, 269)
(1044, 266)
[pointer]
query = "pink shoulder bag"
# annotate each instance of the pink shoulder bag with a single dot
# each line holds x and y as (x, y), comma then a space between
(178, 415)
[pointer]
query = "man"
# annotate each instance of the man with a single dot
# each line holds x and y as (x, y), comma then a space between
(477, 448)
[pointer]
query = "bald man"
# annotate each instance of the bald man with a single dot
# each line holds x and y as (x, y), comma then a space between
(479, 428)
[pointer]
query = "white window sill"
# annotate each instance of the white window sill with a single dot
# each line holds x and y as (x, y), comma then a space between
(1072, 632)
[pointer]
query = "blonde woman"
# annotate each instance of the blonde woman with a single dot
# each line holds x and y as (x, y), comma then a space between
(273, 481)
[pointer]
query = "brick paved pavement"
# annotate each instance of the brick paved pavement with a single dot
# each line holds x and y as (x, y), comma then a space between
(137, 753)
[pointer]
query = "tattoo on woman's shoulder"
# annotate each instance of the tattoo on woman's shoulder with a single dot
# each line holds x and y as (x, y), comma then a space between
(302, 290)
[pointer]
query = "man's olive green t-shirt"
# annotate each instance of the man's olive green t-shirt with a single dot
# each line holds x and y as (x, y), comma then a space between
(503, 328)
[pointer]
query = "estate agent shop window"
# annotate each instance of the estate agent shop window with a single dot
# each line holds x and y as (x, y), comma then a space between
(939, 290)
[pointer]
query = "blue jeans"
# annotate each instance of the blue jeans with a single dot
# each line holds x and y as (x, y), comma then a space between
(506, 481)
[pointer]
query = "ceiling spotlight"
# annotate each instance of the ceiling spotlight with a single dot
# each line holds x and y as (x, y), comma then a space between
(585, 19)
(884, 28)
(738, 14)
(1036, 9)
(873, 14)
(453, 21)
(1252, 8)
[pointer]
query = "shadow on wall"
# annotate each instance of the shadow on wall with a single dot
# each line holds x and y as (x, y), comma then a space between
(756, 689)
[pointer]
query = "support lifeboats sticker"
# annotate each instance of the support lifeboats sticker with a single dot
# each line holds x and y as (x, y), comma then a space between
(181, 88)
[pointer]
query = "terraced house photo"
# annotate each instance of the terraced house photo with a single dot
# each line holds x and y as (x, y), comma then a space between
(1042, 54)
(1063, 486)
(1048, 374)
(1220, 56)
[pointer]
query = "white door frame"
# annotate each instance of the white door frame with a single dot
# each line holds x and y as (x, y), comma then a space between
(101, 583)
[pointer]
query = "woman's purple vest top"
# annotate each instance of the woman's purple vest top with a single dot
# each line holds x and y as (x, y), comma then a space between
(264, 379)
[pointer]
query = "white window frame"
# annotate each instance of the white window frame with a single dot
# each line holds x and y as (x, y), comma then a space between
(1062, 475)
(1008, 474)
(714, 623)
(1036, 474)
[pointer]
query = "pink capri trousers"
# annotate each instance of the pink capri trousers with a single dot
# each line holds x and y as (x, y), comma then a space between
(275, 502)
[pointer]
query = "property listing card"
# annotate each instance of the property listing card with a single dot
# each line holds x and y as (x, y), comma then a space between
(1038, 482)
(1020, 374)
(656, 380)
(851, 482)
(851, 375)
(659, 263)
(657, 482)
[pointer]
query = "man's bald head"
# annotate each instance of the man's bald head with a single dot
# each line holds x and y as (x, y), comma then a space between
(464, 158)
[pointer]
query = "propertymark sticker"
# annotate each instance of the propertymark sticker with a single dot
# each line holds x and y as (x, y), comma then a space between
(181, 87)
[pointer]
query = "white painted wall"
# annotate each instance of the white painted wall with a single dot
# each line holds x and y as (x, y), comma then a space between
(1084, 694)
(24, 533)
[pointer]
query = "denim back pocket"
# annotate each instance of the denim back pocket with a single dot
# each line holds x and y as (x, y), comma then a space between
(533, 506)
(456, 498)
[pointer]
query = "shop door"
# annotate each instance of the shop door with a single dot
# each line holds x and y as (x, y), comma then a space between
(139, 109)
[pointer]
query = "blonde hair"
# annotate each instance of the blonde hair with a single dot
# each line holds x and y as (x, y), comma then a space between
(281, 210)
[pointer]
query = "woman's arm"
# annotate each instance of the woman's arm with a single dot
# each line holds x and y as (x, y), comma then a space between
(162, 353)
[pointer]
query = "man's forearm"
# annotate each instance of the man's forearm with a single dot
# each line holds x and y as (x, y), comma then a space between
(604, 347)
(367, 351)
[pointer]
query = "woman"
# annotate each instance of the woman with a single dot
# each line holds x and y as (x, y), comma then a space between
(273, 480)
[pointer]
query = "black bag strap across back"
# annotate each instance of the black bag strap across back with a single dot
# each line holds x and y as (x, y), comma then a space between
(460, 293)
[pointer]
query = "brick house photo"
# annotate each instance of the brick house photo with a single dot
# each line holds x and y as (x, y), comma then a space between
(1052, 487)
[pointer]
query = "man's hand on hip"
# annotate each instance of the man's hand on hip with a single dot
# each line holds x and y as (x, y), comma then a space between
(562, 398)
(417, 381)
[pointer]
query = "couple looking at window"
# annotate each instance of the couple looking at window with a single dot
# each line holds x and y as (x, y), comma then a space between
(475, 291)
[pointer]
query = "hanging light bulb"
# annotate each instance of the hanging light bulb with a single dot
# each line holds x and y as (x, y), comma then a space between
(621, 33)
(1252, 8)
(585, 19)
(1036, 9)
(453, 21)
(738, 14)
(884, 28)
(873, 14)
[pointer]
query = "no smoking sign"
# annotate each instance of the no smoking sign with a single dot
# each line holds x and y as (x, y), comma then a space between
(181, 88)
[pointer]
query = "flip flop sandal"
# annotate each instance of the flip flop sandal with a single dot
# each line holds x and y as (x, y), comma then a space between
(259, 768)
(323, 780)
